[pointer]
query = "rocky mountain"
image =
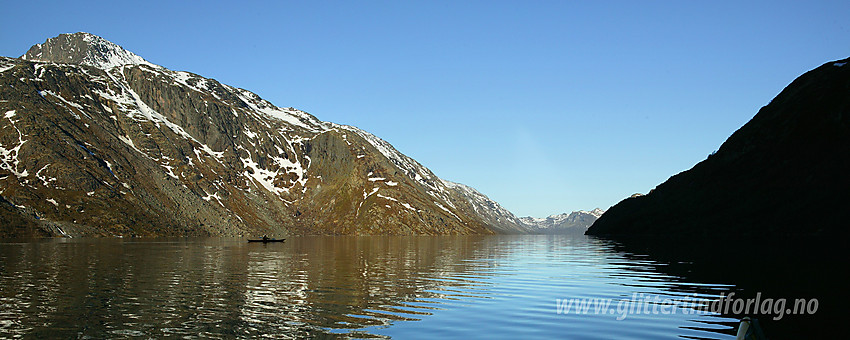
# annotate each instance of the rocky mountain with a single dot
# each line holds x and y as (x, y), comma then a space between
(785, 172)
(95, 140)
(575, 222)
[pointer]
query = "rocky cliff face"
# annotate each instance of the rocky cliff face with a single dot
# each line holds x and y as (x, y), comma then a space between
(784, 172)
(94, 140)
(83, 48)
(575, 222)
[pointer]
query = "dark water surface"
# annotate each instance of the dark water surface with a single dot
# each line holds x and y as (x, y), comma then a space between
(363, 287)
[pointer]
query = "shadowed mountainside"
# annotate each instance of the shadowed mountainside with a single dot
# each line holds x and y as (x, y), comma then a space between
(784, 172)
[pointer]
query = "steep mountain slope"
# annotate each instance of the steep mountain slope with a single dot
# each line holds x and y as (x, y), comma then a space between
(784, 172)
(575, 222)
(500, 219)
(94, 140)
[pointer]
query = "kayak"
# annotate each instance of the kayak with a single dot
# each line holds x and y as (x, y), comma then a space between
(268, 241)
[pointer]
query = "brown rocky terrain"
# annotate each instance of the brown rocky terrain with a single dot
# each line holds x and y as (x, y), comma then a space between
(94, 140)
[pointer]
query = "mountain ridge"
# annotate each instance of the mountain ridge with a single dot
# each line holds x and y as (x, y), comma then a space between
(83, 48)
(99, 141)
(575, 222)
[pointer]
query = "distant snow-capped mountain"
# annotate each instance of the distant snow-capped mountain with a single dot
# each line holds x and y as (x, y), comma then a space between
(575, 222)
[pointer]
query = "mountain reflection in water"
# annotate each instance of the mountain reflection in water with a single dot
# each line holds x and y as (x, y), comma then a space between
(364, 287)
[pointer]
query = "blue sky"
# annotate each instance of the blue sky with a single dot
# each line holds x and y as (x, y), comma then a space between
(545, 106)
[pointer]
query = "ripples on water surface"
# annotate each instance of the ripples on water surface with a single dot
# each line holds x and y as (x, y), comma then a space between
(400, 287)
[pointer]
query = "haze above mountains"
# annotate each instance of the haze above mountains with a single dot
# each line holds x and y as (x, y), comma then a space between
(95, 140)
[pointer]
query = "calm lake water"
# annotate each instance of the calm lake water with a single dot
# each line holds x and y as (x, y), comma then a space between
(507, 287)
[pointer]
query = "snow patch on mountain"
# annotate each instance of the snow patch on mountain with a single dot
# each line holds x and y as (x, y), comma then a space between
(5, 66)
(290, 116)
(9, 154)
